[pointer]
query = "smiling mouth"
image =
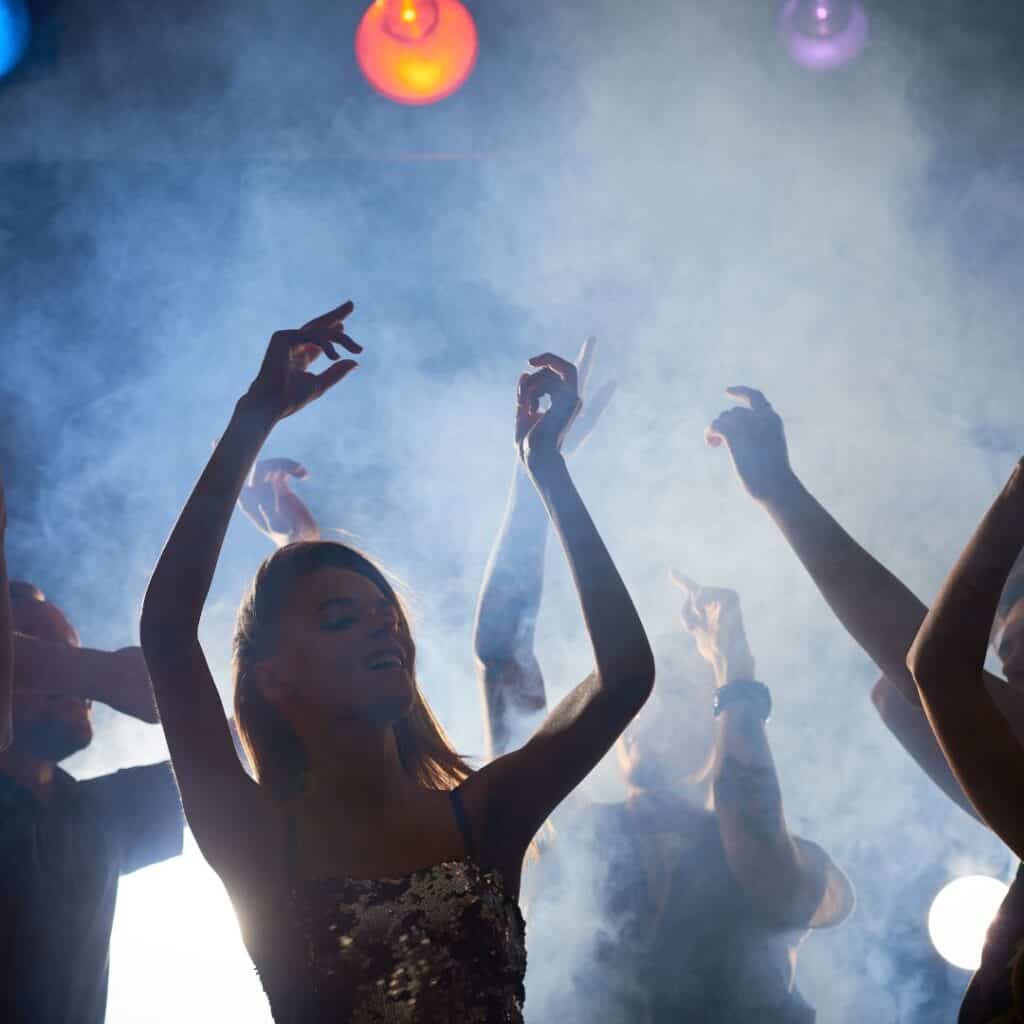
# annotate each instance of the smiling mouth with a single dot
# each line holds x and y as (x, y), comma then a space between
(391, 658)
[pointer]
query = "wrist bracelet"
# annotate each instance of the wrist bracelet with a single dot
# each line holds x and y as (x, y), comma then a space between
(745, 691)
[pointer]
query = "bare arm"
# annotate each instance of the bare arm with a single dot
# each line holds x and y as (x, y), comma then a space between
(221, 803)
(947, 661)
(778, 874)
(875, 608)
(6, 637)
(526, 785)
(116, 678)
(506, 617)
(909, 724)
(507, 665)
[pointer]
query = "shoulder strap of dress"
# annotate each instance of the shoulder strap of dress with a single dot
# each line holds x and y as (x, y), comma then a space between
(462, 820)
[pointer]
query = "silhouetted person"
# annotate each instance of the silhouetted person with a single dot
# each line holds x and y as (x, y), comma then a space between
(375, 875)
(64, 843)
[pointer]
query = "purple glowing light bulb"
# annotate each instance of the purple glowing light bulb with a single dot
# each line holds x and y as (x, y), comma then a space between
(823, 34)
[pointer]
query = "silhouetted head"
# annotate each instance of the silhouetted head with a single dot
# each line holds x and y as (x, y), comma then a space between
(667, 746)
(322, 639)
(47, 725)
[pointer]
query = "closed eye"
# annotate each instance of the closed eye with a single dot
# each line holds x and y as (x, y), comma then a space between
(339, 624)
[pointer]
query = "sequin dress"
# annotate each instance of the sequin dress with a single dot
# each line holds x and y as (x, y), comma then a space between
(445, 943)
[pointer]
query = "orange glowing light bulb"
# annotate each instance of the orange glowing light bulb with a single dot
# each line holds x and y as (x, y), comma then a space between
(416, 51)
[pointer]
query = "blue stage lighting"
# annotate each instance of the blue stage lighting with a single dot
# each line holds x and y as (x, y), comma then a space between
(15, 29)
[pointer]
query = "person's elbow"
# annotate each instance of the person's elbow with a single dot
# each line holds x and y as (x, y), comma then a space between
(632, 677)
(927, 664)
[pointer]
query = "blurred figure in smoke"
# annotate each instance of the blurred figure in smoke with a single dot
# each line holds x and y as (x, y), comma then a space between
(376, 877)
(64, 843)
(877, 610)
(703, 893)
(983, 749)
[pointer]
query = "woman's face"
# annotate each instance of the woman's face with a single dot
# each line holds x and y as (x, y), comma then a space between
(343, 651)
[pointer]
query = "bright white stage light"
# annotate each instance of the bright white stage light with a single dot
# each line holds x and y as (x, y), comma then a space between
(176, 953)
(960, 916)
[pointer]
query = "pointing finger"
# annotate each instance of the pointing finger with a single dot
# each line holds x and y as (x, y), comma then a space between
(750, 397)
(333, 317)
(687, 585)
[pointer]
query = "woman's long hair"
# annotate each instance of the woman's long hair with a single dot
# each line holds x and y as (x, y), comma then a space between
(274, 750)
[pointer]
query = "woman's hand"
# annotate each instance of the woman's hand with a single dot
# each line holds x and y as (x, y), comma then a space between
(273, 507)
(539, 434)
(754, 434)
(711, 615)
(284, 385)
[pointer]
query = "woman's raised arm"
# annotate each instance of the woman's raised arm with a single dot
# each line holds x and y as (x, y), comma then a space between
(947, 661)
(210, 777)
(526, 785)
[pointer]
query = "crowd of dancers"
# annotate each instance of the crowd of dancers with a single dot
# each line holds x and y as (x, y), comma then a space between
(376, 875)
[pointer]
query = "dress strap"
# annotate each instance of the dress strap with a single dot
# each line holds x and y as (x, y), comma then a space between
(462, 820)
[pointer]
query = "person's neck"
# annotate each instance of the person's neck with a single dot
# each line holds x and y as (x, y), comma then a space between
(31, 772)
(359, 768)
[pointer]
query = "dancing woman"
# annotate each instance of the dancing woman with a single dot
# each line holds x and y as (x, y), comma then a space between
(375, 875)
(984, 750)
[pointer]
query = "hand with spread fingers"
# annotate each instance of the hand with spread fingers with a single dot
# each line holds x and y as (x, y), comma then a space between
(539, 434)
(284, 384)
(712, 616)
(755, 436)
(592, 406)
(273, 507)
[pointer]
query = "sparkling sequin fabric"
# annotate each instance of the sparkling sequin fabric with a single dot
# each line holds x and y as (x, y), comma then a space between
(443, 944)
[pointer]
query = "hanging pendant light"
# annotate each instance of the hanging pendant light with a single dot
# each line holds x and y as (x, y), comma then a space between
(823, 34)
(416, 51)
(15, 30)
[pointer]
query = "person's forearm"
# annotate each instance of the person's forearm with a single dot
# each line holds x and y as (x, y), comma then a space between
(748, 799)
(514, 579)
(622, 652)
(949, 651)
(876, 609)
(181, 581)
(82, 672)
(759, 850)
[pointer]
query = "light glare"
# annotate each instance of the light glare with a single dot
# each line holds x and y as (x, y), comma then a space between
(960, 916)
